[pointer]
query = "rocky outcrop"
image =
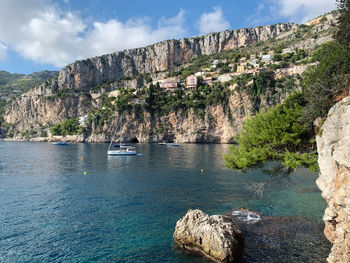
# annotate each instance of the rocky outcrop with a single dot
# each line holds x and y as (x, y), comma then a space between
(333, 146)
(216, 237)
(80, 87)
(215, 124)
(85, 74)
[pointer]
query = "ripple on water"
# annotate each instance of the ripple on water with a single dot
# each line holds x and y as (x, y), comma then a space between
(125, 209)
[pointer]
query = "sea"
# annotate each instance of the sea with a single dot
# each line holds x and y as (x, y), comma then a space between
(76, 204)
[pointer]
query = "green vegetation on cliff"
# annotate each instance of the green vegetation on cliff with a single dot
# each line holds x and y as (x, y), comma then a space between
(12, 85)
(286, 133)
(276, 135)
(67, 127)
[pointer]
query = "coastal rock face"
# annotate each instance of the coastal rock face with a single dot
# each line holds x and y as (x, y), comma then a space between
(215, 124)
(72, 93)
(85, 74)
(216, 237)
(333, 146)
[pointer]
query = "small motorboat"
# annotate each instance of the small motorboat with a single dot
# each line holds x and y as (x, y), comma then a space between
(60, 143)
(173, 144)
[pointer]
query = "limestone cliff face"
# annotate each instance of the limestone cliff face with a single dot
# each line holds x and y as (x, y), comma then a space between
(71, 94)
(84, 74)
(215, 124)
(333, 146)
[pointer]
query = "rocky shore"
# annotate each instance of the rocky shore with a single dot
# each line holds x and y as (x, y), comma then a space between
(276, 239)
(216, 237)
(333, 146)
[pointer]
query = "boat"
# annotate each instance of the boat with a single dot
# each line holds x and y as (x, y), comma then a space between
(60, 143)
(120, 149)
(123, 150)
(172, 144)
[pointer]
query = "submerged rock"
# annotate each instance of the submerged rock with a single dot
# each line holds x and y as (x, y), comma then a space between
(216, 237)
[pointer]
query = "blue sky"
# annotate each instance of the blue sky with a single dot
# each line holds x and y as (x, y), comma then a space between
(45, 34)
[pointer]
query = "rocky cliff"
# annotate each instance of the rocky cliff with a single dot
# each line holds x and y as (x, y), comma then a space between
(71, 93)
(216, 124)
(333, 146)
(85, 74)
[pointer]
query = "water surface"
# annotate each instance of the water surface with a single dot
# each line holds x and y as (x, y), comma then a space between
(125, 208)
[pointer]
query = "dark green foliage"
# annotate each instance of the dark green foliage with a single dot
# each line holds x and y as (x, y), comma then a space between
(286, 133)
(2, 109)
(276, 135)
(328, 80)
(342, 35)
(15, 84)
(278, 49)
(263, 80)
(66, 127)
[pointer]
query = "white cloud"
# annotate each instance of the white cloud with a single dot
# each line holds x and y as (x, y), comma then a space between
(298, 11)
(212, 22)
(3, 53)
(303, 10)
(42, 32)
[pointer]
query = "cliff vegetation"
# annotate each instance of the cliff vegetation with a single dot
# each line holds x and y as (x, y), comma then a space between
(287, 132)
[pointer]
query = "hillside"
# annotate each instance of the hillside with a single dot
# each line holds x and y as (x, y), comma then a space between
(197, 89)
(13, 85)
(16, 84)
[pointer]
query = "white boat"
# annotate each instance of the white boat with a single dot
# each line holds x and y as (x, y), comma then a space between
(120, 149)
(172, 144)
(123, 150)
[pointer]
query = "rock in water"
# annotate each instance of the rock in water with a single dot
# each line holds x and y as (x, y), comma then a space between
(216, 237)
(333, 146)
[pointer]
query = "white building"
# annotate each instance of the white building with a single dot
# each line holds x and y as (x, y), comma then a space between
(83, 120)
(267, 58)
(191, 82)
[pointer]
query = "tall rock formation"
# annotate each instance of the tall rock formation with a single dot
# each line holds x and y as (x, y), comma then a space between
(85, 74)
(70, 94)
(333, 146)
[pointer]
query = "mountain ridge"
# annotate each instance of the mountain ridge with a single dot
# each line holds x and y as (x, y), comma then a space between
(73, 92)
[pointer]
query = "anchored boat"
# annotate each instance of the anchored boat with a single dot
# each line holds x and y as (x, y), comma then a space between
(120, 149)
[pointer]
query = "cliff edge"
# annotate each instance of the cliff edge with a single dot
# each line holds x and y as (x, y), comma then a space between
(333, 146)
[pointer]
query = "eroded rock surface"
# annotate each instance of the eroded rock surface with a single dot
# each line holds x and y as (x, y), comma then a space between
(333, 146)
(216, 237)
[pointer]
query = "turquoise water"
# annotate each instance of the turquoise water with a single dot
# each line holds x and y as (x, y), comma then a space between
(125, 208)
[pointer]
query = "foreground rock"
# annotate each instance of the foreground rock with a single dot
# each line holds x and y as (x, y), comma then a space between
(333, 146)
(216, 237)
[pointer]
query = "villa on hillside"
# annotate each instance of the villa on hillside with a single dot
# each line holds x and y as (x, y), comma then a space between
(241, 68)
(254, 62)
(83, 120)
(191, 82)
(208, 81)
(267, 58)
(137, 101)
(287, 50)
(169, 83)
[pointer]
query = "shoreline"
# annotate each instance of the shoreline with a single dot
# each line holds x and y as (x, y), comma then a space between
(72, 140)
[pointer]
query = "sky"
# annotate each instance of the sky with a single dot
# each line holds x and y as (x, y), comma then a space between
(38, 35)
